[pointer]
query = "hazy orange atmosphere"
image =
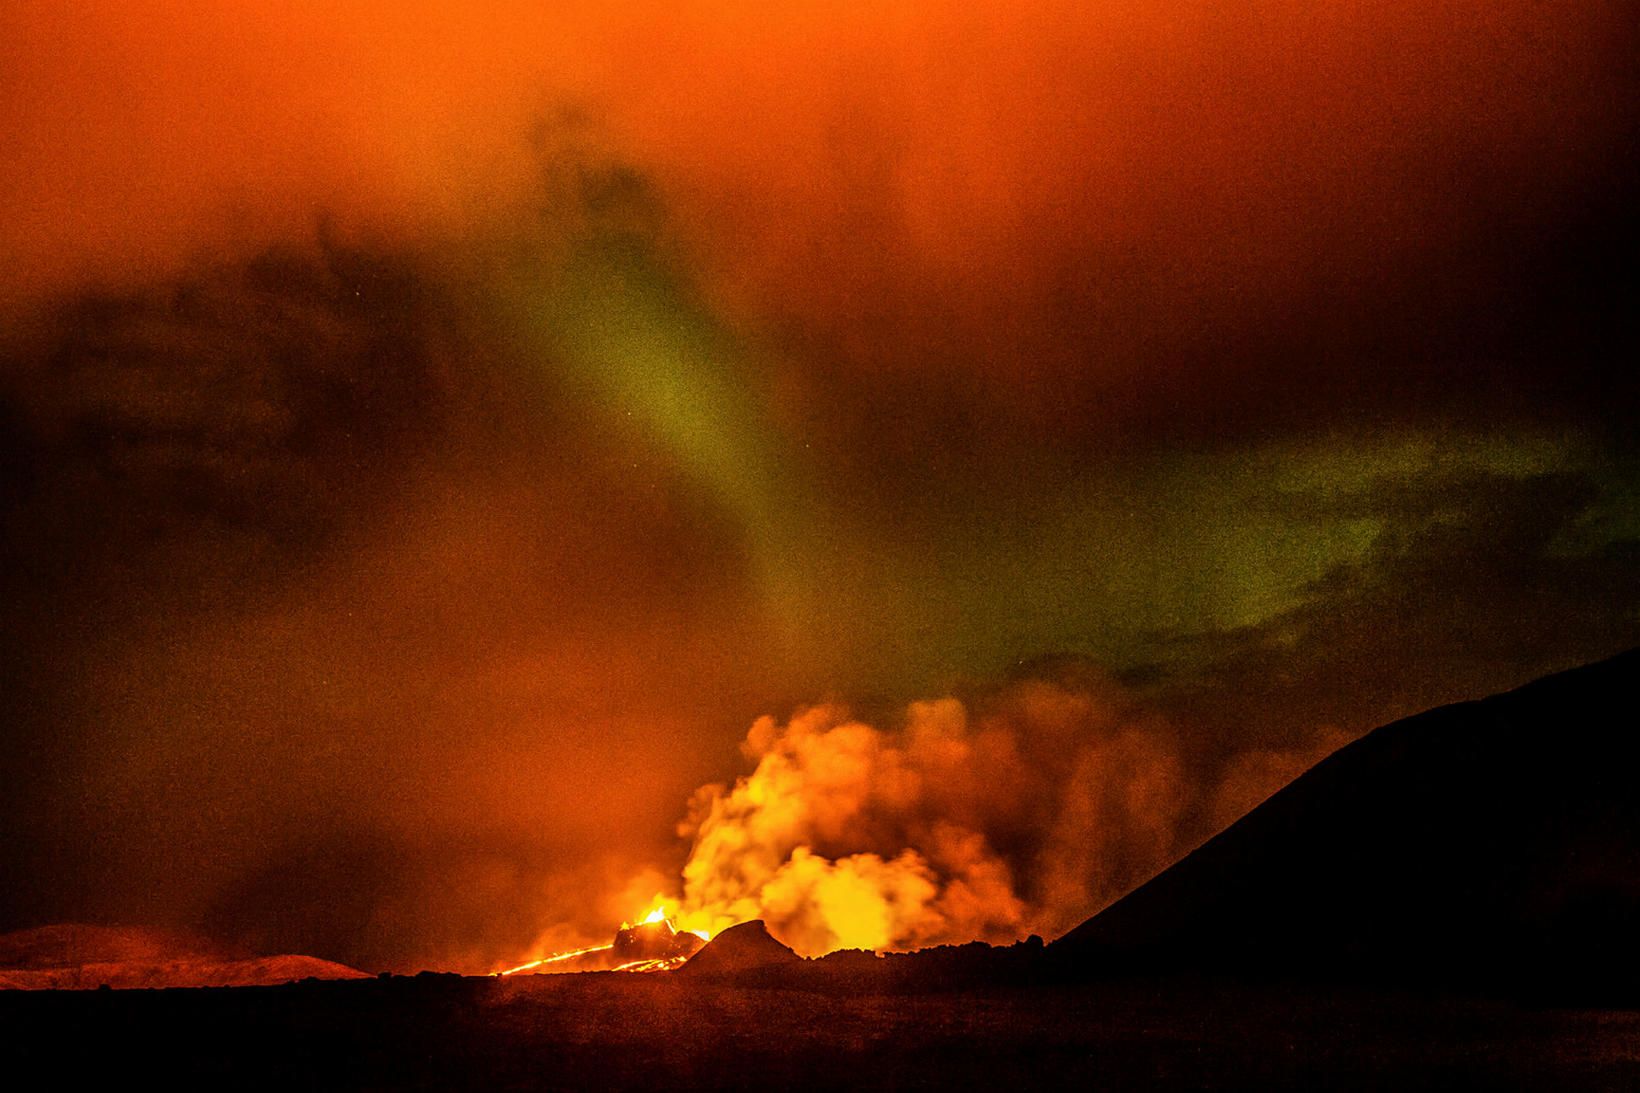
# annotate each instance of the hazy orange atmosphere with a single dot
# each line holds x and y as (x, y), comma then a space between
(905, 472)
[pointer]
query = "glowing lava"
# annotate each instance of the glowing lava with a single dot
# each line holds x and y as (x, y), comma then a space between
(557, 958)
(664, 910)
(651, 944)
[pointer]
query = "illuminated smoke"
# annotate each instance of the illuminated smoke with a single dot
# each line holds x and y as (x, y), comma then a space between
(1021, 814)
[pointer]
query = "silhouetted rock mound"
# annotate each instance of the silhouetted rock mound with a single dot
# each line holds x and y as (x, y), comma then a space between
(747, 947)
(943, 967)
(74, 957)
(850, 961)
(1491, 844)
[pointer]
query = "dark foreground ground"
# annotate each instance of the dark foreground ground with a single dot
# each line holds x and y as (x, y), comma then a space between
(664, 1032)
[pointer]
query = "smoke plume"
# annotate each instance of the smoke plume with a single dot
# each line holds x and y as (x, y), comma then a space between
(1016, 813)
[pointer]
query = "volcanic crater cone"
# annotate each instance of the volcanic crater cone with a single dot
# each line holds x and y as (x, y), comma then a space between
(652, 943)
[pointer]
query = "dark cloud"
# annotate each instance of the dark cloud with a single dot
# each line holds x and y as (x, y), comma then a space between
(274, 533)
(1474, 582)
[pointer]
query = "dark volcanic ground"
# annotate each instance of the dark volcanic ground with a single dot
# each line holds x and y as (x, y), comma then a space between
(613, 1031)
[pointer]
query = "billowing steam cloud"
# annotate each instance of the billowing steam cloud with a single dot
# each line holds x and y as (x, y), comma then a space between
(1019, 813)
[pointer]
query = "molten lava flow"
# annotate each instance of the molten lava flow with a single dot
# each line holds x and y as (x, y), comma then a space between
(556, 958)
(649, 945)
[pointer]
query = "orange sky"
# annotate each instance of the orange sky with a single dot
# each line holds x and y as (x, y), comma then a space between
(966, 142)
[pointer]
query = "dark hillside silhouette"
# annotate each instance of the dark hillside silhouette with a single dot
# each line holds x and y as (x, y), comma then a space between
(1487, 844)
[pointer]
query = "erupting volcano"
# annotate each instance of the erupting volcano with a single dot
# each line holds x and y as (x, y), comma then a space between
(914, 510)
